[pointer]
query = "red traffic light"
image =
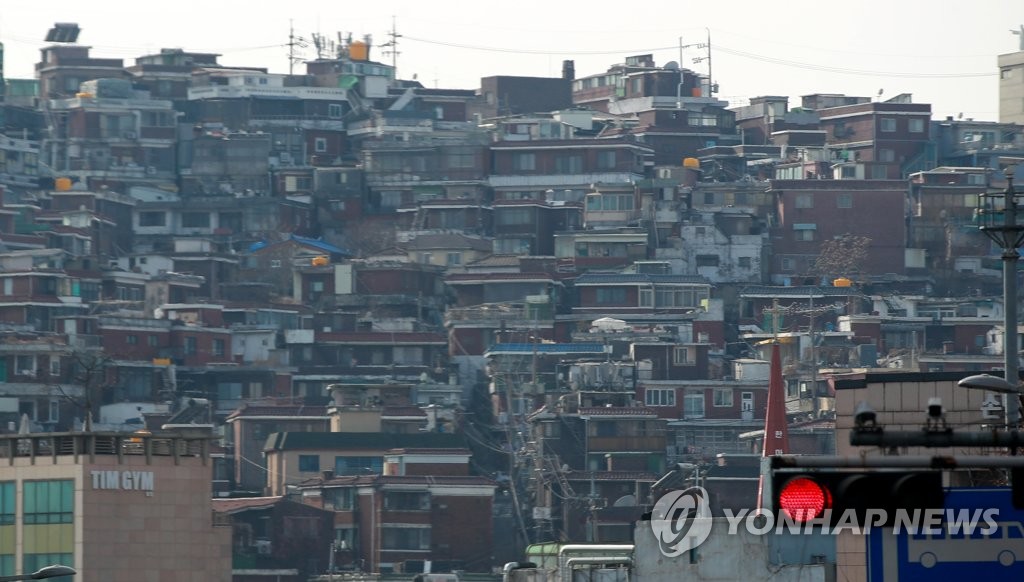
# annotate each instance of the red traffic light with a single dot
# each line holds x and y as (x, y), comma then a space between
(804, 499)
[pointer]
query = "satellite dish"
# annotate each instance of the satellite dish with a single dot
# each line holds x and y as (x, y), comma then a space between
(625, 501)
(672, 66)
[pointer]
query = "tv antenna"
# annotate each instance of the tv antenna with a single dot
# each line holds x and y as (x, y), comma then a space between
(293, 43)
(391, 46)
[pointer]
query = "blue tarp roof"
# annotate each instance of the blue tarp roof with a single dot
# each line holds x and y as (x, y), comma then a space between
(304, 241)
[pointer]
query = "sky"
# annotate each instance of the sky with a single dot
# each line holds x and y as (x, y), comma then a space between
(943, 53)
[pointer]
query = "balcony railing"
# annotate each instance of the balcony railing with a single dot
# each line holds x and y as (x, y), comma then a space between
(91, 444)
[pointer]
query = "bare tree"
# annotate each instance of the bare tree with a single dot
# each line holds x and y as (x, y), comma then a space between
(89, 371)
(843, 256)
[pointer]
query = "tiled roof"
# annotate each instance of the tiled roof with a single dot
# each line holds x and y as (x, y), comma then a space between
(641, 278)
(244, 504)
(496, 261)
(248, 409)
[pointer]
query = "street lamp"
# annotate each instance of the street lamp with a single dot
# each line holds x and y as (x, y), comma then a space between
(46, 572)
(997, 215)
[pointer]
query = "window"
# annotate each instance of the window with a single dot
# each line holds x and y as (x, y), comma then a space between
(709, 198)
(54, 365)
(611, 296)
(514, 216)
(744, 262)
(844, 201)
(976, 179)
(693, 404)
(609, 202)
(316, 286)
(454, 259)
(7, 503)
(524, 162)
(48, 502)
(190, 346)
(309, 463)
(886, 155)
(804, 201)
(681, 356)
(334, 110)
(879, 173)
(152, 219)
(888, 124)
(915, 125)
(341, 499)
(723, 397)
(787, 264)
(660, 397)
(707, 260)
(154, 341)
(218, 347)
(358, 465)
(747, 401)
(673, 297)
(569, 164)
(131, 340)
(25, 365)
(320, 144)
(407, 500)
(605, 160)
(848, 172)
(275, 263)
(406, 538)
(195, 220)
(803, 235)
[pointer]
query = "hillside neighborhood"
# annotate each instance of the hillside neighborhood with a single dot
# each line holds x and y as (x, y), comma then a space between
(387, 328)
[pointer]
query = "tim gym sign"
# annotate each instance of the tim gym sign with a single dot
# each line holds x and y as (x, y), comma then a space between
(123, 480)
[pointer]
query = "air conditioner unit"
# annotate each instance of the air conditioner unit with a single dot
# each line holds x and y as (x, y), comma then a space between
(150, 170)
(30, 373)
(285, 157)
(263, 547)
(129, 135)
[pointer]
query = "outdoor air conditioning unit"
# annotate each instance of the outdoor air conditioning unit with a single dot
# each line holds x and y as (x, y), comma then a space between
(150, 170)
(129, 135)
(263, 547)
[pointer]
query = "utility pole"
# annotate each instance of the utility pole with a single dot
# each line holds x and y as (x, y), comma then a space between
(392, 46)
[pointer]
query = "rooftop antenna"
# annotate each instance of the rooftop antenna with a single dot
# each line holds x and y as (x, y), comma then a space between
(1019, 33)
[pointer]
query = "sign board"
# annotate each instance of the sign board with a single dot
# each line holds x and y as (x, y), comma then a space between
(939, 556)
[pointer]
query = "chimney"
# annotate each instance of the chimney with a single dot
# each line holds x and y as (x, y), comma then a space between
(568, 70)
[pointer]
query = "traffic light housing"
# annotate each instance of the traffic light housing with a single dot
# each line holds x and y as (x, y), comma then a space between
(802, 495)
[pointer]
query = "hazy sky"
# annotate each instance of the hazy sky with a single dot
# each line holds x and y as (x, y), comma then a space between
(942, 52)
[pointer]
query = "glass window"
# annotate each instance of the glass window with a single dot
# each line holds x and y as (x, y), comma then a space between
(7, 503)
(152, 219)
(407, 500)
(340, 499)
(190, 346)
(614, 295)
(320, 144)
(48, 502)
(723, 396)
(358, 465)
(693, 405)
(406, 538)
(606, 160)
(218, 347)
(886, 155)
(915, 125)
(804, 201)
(334, 110)
(844, 201)
(195, 220)
(888, 124)
(569, 164)
(524, 162)
(681, 356)
(309, 463)
(660, 397)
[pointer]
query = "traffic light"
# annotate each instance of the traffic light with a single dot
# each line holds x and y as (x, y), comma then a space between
(827, 494)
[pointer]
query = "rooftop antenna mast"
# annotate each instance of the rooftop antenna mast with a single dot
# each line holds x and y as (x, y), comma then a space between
(391, 46)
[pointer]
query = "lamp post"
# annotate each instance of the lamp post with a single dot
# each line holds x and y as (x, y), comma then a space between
(46, 572)
(997, 213)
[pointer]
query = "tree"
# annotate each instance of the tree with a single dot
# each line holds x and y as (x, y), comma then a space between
(843, 256)
(88, 371)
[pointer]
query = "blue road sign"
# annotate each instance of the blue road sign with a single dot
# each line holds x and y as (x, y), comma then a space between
(942, 555)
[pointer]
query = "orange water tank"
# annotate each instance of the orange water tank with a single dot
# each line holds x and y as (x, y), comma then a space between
(842, 282)
(358, 51)
(62, 184)
(692, 163)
